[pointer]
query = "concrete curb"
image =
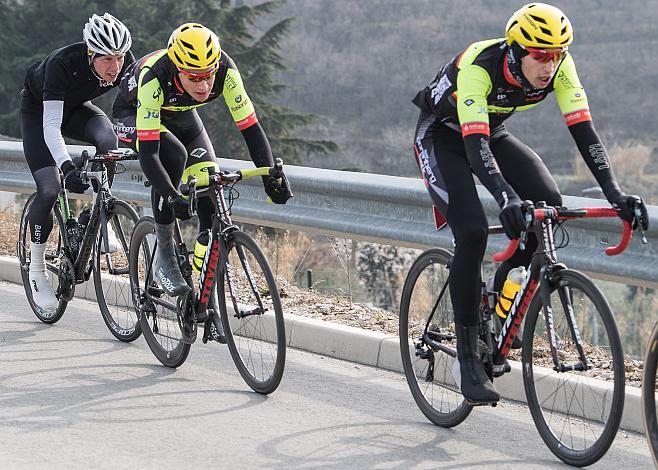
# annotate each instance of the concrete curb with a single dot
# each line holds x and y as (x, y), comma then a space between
(364, 347)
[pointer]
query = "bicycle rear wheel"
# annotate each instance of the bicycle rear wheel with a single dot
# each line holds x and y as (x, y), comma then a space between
(429, 369)
(54, 259)
(577, 413)
(649, 394)
(157, 312)
(252, 315)
(112, 275)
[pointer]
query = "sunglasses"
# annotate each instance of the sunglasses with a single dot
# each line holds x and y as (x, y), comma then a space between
(546, 55)
(199, 77)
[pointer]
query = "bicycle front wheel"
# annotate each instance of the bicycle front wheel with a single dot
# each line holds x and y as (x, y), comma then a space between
(158, 313)
(576, 406)
(428, 343)
(54, 256)
(649, 394)
(252, 315)
(112, 274)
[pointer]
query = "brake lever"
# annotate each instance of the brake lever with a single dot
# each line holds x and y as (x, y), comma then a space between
(638, 222)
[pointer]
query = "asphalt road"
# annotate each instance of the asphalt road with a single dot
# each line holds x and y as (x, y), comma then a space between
(71, 396)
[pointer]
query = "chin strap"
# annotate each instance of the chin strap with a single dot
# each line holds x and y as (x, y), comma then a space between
(91, 56)
(514, 55)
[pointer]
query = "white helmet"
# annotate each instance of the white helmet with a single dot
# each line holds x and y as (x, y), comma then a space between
(105, 35)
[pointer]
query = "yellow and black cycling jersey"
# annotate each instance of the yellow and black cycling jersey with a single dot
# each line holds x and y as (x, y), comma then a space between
(152, 86)
(476, 91)
(482, 86)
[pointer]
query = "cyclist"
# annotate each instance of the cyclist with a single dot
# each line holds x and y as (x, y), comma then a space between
(155, 110)
(460, 131)
(55, 102)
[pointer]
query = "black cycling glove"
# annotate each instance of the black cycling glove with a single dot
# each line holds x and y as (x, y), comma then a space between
(626, 205)
(180, 206)
(275, 190)
(512, 218)
(72, 180)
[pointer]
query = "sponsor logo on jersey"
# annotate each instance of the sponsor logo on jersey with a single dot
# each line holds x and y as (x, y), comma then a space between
(469, 102)
(439, 88)
(239, 106)
(198, 152)
(229, 82)
(132, 83)
(424, 160)
(157, 93)
(238, 98)
(152, 115)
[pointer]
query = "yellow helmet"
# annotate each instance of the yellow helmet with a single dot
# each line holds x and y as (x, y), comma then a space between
(539, 25)
(193, 47)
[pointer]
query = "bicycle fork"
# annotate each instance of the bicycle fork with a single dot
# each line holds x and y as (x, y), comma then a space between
(566, 301)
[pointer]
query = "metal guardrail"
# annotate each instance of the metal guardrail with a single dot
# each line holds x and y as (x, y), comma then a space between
(379, 208)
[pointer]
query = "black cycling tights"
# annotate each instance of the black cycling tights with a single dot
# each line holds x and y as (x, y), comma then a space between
(442, 155)
(40, 219)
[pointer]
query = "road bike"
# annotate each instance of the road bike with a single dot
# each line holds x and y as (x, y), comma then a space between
(236, 300)
(76, 247)
(570, 342)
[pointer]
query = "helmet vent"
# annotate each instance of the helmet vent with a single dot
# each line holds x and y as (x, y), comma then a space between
(541, 41)
(546, 31)
(538, 19)
(525, 34)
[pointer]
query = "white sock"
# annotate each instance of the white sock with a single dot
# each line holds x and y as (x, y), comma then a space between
(42, 293)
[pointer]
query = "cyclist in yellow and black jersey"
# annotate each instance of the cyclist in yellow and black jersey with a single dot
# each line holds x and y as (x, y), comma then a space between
(460, 131)
(155, 111)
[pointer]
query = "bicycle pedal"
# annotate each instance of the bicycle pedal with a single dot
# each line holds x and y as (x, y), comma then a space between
(482, 403)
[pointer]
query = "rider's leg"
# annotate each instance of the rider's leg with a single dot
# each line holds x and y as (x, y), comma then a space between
(165, 265)
(442, 159)
(41, 224)
(200, 157)
(47, 179)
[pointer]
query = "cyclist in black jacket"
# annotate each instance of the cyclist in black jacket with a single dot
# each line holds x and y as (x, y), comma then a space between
(461, 131)
(55, 102)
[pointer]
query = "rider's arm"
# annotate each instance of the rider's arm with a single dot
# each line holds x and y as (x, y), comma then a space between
(572, 100)
(150, 99)
(473, 86)
(242, 110)
(56, 83)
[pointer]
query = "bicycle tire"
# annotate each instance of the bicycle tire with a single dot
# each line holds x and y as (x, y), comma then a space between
(248, 338)
(168, 345)
(426, 277)
(595, 414)
(649, 394)
(53, 252)
(113, 291)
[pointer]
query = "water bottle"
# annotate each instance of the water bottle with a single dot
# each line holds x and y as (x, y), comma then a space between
(83, 220)
(510, 289)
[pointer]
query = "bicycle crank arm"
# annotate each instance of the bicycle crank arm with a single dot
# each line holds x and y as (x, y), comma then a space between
(580, 367)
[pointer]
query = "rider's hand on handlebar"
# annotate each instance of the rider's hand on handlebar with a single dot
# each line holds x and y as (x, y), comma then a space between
(626, 205)
(180, 206)
(72, 180)
(276, 190)
(512, 218)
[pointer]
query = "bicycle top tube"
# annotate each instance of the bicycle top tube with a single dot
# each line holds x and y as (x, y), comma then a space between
(562, 213)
